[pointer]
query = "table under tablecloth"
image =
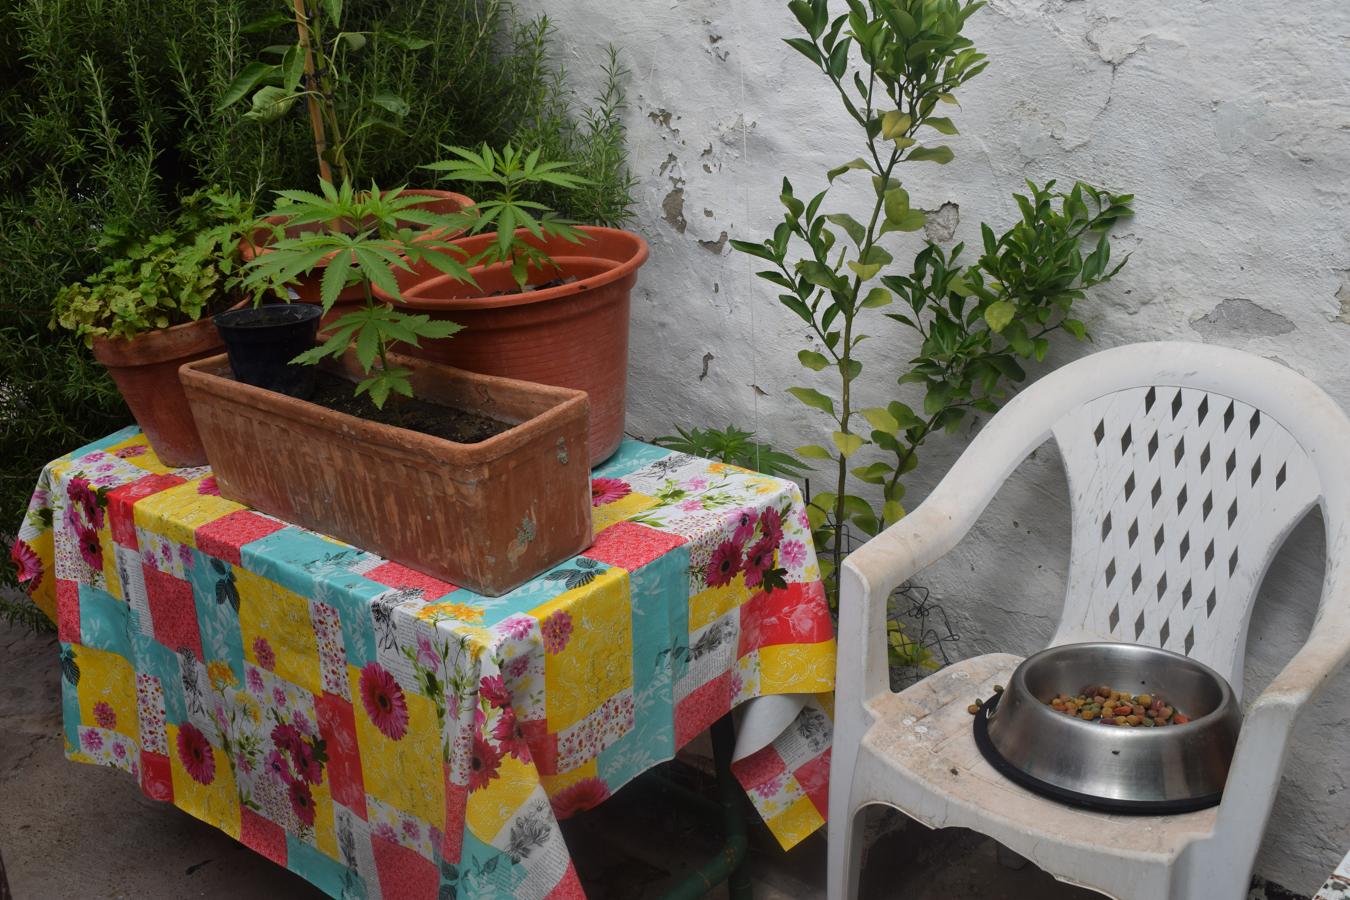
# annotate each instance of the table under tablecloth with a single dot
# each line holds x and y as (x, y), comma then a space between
(385, 734)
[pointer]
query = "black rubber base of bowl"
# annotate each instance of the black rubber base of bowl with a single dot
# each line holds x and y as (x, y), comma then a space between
(1074, 798)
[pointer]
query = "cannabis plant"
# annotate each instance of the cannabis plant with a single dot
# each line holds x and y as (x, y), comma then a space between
(895, 65)
(510, 173)
(734, 446)
(361, 238)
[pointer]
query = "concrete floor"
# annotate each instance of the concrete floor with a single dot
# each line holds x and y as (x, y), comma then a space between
(69, 830)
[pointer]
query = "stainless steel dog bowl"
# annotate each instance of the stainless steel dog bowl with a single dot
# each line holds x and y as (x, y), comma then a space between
(1175, 768)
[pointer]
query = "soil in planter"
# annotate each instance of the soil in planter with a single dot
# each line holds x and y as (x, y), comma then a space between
(529, 288)
(460, 426)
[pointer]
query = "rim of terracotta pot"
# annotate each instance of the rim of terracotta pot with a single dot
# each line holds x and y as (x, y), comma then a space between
(248, 250)
(160, 345)
(632, 256)
(361, 430)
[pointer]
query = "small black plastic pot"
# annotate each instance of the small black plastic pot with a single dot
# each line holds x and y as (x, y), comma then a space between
(262, 342)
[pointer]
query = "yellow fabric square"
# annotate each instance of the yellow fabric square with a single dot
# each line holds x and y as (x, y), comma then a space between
(325, 836)
(707, 606)
(178, 512)
(555, 784)
(44, 545)
(216, 803)
(597, 660)
(268, 610)
(625, 508)
(147, 460)
(405, 773)
(795, 823)
(796, 668)
(112, 582)
(107, 677)
(489, 808)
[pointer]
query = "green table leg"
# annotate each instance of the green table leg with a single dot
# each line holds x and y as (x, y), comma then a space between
(728, 864)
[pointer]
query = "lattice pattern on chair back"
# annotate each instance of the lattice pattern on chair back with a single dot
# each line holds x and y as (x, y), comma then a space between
(1180, 498)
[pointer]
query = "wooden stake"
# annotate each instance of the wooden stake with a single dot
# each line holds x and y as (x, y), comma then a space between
(311, 96)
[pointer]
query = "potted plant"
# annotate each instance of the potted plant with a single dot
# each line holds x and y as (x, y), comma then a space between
(314, 69)
(479, 481)
(549, 301)
(144, 315)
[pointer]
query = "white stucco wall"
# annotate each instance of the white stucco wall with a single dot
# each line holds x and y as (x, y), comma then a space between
(1230, 119)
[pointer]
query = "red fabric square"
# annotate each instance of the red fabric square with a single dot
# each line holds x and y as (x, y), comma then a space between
(569, 888)
(262, 835)
(156, 776)
(543, 746)
(456, 799)
(172, 611)
(796, 614)
(223, 538)
(404, 873)
(121, 521)
(67, 611)
(760, 767)
(337, 726)
(395, 575)
(629, 545)
(704, 706)
(814, 777)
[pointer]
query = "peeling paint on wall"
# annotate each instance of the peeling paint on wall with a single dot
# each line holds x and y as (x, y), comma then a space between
(1239, 317)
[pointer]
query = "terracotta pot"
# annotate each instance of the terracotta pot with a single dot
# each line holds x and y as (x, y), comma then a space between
(307, 287)
(486, 516)
(145, 369)
(574, 335)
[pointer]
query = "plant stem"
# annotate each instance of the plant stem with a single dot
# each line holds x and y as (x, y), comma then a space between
(312, 88)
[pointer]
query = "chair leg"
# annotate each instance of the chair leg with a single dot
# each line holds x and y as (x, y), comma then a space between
(845, 853)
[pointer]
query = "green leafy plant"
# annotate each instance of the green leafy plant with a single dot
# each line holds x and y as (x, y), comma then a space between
(365, 236)
(733, 446)
(511, 173)
(162, 279)
(894, 65)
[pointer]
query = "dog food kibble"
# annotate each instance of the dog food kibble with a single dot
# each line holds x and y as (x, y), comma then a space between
(1102, 704)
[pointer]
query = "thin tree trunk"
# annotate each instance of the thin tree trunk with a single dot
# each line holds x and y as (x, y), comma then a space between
(312, 87)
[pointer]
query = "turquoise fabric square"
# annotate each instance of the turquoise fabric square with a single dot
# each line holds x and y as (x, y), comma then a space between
(152, 658)
(631, 456)
(216, 597)
(319, 869)
(103, 621)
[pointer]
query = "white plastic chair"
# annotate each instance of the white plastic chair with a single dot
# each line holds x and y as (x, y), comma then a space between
(1188, 465)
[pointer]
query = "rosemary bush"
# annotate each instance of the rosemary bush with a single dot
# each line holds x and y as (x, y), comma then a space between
(110, 114)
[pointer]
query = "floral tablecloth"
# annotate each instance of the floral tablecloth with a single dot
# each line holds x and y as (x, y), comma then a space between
(385, 734)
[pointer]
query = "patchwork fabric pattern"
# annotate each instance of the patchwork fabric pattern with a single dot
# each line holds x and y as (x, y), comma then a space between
(385, 734)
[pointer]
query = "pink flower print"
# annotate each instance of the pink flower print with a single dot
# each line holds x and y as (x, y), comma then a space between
(557, 630)
(385, 831)
(255, 681)
(244, 764)
(737, 684)
(91, 550)
(278, 696)
(792, 554)
(517, 627)
(758, 561)
(436, 836)
(744, 520)
(307, 766)
(691, 505)
(276, 764)
(410, 830)
(492, 689)
(580, 796)
(262, 651)
(120, 751)
(83, 496)
(509, 733)
(698, 483)
(771, 525)
(384, 701)
(517, 667)
(426, 654)
(484, 763)
(769, 787)
(92, 740)
(104, 715)
(185, 555)
(302, 802)
(725, 563)
(28, 563)
(607, 490)
(207, 487)
(106, 467)
(302, 723)
(195, 751)
(131, 452)
(803, 520)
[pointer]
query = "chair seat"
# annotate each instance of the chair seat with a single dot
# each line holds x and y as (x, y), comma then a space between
(925, 735)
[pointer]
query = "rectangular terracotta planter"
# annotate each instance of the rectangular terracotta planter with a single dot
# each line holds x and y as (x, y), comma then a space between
(485, 516)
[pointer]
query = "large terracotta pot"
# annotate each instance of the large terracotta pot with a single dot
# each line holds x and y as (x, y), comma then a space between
(574, 335)
(486, 516)
(145, 369)
(307, 287)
